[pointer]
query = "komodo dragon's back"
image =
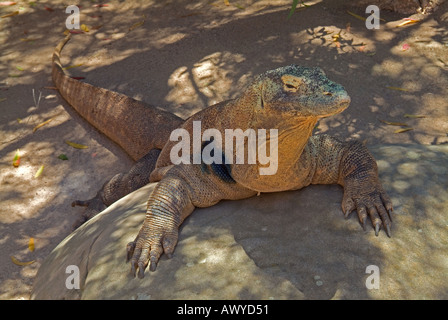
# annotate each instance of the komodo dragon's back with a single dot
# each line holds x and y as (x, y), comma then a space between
(134, 125)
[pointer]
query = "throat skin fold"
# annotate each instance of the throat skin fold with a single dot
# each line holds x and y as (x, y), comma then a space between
(293, 135)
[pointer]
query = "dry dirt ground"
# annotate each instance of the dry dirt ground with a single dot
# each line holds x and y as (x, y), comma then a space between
(183, 56)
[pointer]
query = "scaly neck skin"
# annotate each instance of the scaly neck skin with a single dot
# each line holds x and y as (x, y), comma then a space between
(293, 135)
(239, 113)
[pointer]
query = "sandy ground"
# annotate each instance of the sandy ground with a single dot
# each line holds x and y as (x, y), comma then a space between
(184, 56)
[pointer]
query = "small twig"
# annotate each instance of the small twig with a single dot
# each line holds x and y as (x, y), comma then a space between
(36, 104)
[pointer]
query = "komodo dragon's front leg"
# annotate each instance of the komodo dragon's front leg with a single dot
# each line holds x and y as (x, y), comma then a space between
(174, 198)
(327, 160)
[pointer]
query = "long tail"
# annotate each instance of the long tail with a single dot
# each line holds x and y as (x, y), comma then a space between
(135, 126)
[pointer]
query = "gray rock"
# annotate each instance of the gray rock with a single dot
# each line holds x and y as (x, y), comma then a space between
(273, 246)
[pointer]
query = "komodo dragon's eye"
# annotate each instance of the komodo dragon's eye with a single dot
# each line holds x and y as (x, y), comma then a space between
(291, 83)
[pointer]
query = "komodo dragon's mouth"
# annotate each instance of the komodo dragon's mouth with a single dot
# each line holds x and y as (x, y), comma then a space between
(341, 105)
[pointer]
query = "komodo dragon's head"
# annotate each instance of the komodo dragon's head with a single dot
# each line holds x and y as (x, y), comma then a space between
(300, 92)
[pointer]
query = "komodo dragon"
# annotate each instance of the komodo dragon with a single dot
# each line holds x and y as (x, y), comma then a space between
(290, 99)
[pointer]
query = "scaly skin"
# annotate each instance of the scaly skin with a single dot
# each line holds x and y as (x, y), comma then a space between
(111, 113)
(290, 99)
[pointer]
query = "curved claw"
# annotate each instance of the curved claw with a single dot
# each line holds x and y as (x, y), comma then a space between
(374, 204)
(153, 265)
(363, 223)
(377, 229)
(141, 270)
(347, 214)
(147, 249)
(130, 250)
(389, 213)
(388, 231)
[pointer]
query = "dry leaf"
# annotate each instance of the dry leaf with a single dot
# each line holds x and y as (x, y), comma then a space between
(16, 160)
(394, 123)
(414, 116)
(337, 36)
(31, 244)
(39, 172)
(136, 25)
(42, 124)
(356, 16)
(10, 14)
(20, 263)
(73, 66)
(407, 21)
(76, 145)
(403, 130)
(84, 28)
(7, 3)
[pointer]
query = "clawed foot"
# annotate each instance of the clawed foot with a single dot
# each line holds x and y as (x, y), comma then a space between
(151, 242)
(369, 201)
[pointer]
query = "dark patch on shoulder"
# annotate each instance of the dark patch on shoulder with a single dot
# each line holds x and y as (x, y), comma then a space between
(222, 170)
